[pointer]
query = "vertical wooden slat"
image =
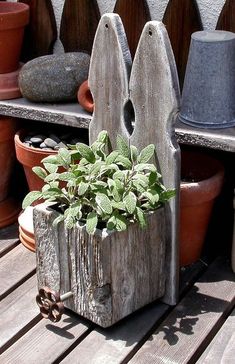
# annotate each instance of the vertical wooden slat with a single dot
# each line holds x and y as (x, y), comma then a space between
(134, 16)
(109, 77)
(154, 91)
(181, 18)
(226, 19)
(79, 21)
(41, 33)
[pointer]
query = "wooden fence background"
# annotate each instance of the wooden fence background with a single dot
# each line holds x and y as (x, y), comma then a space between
(80, 19)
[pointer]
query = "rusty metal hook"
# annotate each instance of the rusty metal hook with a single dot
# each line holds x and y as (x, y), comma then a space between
(51, 303)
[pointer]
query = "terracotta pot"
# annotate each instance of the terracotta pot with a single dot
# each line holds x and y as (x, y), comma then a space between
(196, 201)
(9, 208)
(9, 87)
(8, 128)
(85, 98)
(13, 18)
(30, 157)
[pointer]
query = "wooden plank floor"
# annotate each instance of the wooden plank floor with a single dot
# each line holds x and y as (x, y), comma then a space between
(200, 329)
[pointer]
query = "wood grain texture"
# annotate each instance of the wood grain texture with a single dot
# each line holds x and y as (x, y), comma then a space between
(154, 91)
(134, 18)
(79, 21)
(41, 33)
(182, 18)
(15, 267)
(222, 348)
(109, 78)
(46, 342)
(185, 333)
(226, 19)
(110, 274)
(119, 343)
(9, 238)
(19, 312)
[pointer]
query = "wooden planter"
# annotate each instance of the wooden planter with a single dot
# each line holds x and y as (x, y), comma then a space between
(111, 274)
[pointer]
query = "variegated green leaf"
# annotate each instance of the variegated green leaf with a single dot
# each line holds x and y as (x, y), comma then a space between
(146, 154)
(91, 222)
(104, 203)
(40, 172)
(86, 152)
(30, 198)
(123, 146)
(130, 201)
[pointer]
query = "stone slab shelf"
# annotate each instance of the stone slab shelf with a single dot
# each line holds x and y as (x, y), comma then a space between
(71, 114)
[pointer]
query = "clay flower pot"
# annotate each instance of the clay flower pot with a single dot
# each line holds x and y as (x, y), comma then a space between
(9, 209)
(30, 157)
(13, 18)
(202, 179)
(85, 98)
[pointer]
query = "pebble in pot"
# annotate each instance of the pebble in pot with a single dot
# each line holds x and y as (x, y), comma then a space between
(54, 78)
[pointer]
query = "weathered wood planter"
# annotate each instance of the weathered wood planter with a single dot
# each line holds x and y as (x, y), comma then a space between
(111, 274)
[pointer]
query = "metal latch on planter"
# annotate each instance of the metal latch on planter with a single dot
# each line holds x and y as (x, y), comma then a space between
(51, 303)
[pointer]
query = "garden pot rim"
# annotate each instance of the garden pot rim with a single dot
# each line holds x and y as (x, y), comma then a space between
(204, 190)
(13, 15)
(18, 136)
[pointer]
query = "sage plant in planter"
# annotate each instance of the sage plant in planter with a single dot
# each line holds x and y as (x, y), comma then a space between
(103, 241)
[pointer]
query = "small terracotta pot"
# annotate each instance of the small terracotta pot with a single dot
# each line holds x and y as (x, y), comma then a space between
(14, 16)
(196, 201)
(30, 157)
(85, 98)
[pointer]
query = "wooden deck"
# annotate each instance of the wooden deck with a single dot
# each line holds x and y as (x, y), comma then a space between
(200, 329)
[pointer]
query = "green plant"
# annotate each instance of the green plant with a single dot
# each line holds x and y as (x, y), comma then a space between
(114, 188)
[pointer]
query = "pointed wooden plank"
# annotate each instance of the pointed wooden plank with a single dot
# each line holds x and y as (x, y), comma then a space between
(19, 312)
(181, 18)
(41, 33)
(133, 18)
(109, 77)
(154, 91)
(185, 333)
(46, 342)
(15, 268)
(79, 21)
(222, 347)
(9, 238)
(226, 19)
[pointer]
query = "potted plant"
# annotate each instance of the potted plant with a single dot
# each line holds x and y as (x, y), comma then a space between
(104, 237)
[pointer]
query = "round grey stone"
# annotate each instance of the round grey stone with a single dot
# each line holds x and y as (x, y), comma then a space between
(50, 143)
(54, 78)
(36, 140)
(43, 145)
